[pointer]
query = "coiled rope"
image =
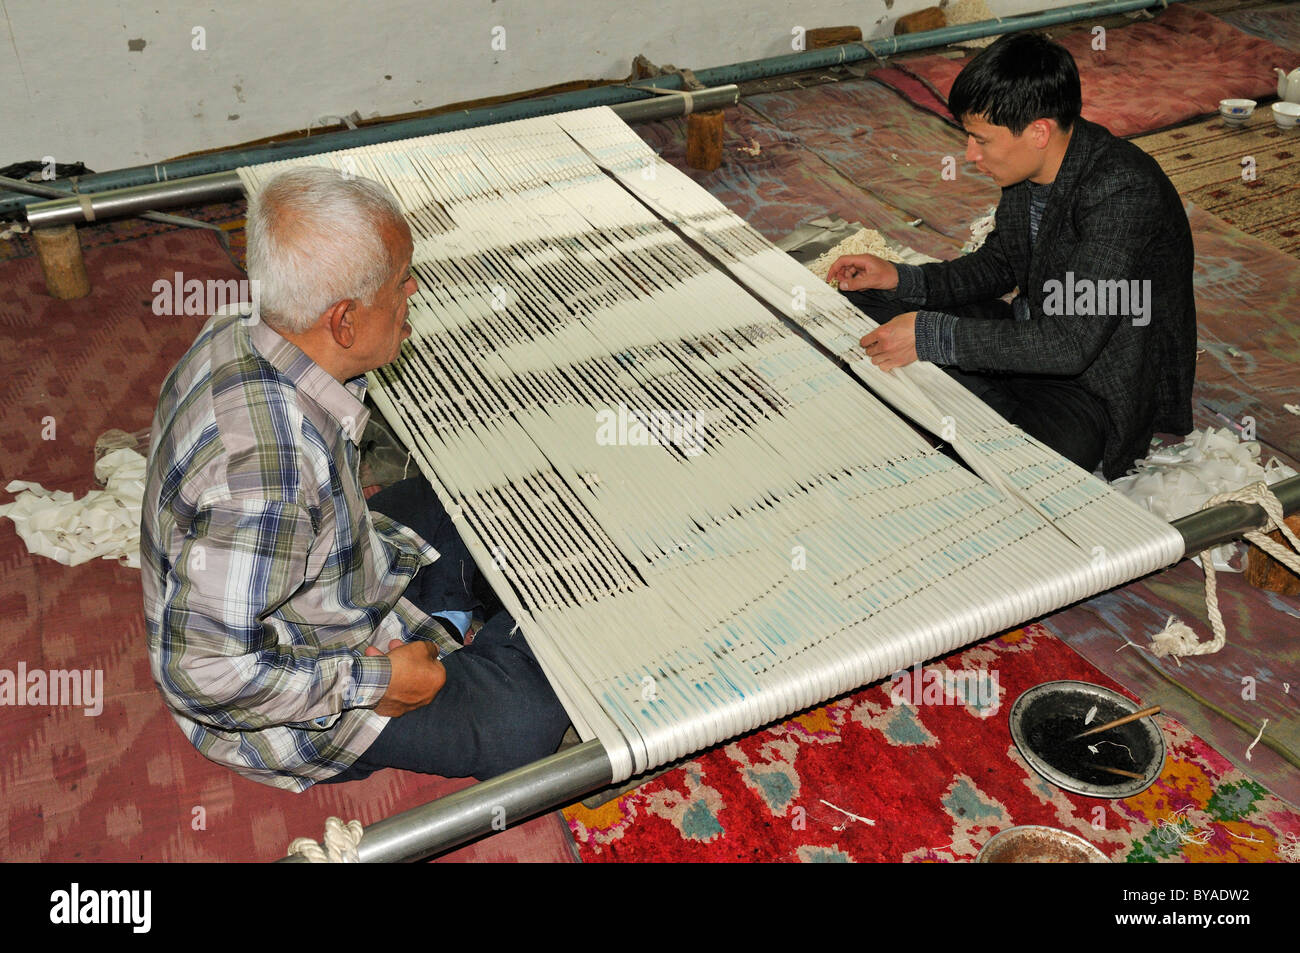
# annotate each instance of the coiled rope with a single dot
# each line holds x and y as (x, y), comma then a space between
(340, 844)
(1178, 638)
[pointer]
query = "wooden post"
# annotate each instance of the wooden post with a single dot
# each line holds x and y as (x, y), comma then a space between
(1265, 572)
(59, 251)
(825, 37)
(704, 140)
(931, 18)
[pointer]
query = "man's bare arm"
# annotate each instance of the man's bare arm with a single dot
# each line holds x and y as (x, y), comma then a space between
(417, 677)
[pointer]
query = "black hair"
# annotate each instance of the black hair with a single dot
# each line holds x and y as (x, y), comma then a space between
(1020, 78)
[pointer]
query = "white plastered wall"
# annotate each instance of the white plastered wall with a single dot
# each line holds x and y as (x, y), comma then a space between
(123, 83)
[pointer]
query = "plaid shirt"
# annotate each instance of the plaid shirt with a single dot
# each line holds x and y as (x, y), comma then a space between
(266, 575)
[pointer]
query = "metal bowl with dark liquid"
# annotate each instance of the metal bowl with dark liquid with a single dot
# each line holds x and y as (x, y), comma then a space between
(1046, 719)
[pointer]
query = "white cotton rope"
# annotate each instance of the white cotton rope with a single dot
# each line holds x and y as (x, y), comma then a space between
(1177, 638)
(339, 846)
(1178, 828)
(1258, 736)
(701, 523)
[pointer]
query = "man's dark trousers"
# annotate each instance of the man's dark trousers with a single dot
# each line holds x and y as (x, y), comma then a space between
(496, 711)
(1054, 410)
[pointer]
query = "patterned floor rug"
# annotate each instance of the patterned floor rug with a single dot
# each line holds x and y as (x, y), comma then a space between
(864, 779)
(1278, 24)
(1201, 60)
(1248, 176)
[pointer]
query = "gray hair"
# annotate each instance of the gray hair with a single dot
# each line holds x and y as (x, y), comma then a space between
(314, 238)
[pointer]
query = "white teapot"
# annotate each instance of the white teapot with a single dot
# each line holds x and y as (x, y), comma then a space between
(1288, 86)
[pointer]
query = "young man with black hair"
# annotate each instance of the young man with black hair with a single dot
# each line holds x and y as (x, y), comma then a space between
(1097, 351)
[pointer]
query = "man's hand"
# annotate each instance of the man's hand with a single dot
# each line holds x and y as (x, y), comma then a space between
(417, 677)
(894, 344)
(863, 273)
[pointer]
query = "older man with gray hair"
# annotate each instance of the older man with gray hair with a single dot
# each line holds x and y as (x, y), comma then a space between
(298, 633)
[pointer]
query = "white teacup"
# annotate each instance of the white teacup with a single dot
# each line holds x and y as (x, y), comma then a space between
(1235, 112)
(1286, 115)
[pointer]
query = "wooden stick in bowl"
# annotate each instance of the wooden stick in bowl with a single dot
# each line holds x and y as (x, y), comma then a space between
(1153, 710)
(1120, 771)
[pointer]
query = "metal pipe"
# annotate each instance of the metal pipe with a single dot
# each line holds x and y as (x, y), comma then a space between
(139, 200)
(911, 42)
(114, 194)
(563, 778)
(112, 204)
(1228, 521)
(613, 95)
(485, 807)
(32, 188)
(660, 106)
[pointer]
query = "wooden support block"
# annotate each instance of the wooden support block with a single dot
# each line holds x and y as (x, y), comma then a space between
(642, 68)
(59, 251)
(704, 140)
(931, 18)
(825, 36)
(1265, 572)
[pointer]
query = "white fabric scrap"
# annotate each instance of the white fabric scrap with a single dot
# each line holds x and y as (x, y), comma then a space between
(979, 230)
(1175, 481)
(102, 524)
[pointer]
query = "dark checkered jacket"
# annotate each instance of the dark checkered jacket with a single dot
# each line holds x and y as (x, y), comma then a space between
(1112, 215)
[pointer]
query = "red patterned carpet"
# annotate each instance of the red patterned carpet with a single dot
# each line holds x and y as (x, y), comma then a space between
(863, 779)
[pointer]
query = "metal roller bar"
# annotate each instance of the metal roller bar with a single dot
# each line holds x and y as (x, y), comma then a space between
(913, 42)
(485, 807)
(224, 186)
(218, 187)
(563, 778)
(32, 188)
(1228, 521)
